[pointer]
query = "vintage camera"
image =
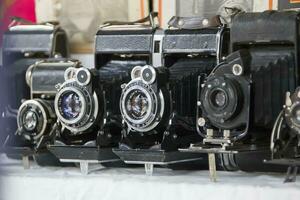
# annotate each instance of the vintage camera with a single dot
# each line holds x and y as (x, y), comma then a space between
(242, 97)
(191, 50)
(145, 105)
(87, 106)
(79, 106)
(119, 48)
(158, 104)
(36, 118)
(24, 45)
(285, 136)
(271, 62)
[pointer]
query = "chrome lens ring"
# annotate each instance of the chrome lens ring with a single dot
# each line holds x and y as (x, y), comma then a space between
(70, 73)
(60, 97)
(220, 99)
(155, 106)
(41, 113)
(136, 72)
(83, 76)
(87, 102)
(148, 74)
(292, 116)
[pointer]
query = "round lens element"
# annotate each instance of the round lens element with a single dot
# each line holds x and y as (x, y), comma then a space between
(296, 114)
(71, 105)
(83, 76)
(137, 104)
(218, 98)
(148, 74)
(30, 120)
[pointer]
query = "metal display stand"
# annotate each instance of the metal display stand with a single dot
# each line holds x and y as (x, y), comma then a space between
(293, 167)
(84, 155)
(150, 158)
(212, 150)
(24, 152)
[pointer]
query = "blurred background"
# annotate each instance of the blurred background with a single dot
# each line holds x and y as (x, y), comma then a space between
(81, 18)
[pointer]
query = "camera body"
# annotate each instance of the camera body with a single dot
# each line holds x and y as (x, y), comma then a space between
(119, 48)
(286, 130)
(36, 118)
(24, 45)
(79, 106)
(20, 50)
(158, 105)
(267, 62)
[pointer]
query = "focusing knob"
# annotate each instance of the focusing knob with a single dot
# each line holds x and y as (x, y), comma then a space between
(136, 72)
(83, 76)
(70, 73)
(148, 74)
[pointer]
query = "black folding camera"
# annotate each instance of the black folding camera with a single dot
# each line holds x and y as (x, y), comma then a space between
(36, 118)
(158, 105)
(87, 106)
(242, 97)
(286, 136)
(24, 45)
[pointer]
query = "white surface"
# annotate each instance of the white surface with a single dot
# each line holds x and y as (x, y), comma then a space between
(67, 183)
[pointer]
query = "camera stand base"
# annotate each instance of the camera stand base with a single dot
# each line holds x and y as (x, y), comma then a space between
(212, 167)
(25, 162)
(211, 151)
(83, 155)
(291, 174)
(25, 153)
(150, 158)
(149, 168)
(293, 168)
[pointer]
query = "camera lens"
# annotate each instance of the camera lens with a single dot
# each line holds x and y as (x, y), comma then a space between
(71, 105)
(218, 98)
(30, 120)
(34, 119)
(296, 114)
(137, 104)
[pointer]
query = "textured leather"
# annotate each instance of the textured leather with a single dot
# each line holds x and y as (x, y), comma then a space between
(194, 22)
(149, 18)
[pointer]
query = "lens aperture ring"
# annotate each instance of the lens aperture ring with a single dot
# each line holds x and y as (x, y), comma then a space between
(34, 118)
(220, 99)
(141, 107)
(76, 107)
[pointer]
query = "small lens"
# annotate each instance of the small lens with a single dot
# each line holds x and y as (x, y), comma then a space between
(82, 76)
(296, 114)
(137, 104)
(71, 105)
(218, 98)
(30, 120)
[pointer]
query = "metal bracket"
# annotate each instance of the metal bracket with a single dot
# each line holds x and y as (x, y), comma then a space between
(84, 167)
(212, 167)
(291, 174)
(25, 162)
(149, 169)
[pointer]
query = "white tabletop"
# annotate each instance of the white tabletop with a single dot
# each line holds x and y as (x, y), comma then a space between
(56, 183)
